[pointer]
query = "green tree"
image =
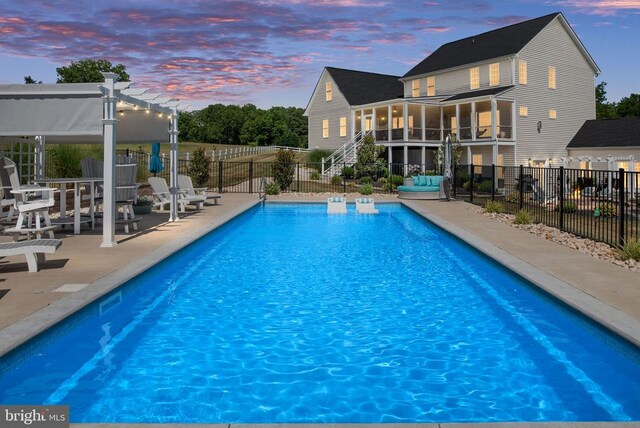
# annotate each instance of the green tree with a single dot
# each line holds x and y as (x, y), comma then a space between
(629, 106)
(29, 81)
(369, 163)
(283, 168)
(604, 109)
(90, 70)
(199, 168)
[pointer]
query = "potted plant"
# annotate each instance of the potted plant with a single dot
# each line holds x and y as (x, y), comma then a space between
(143, 205)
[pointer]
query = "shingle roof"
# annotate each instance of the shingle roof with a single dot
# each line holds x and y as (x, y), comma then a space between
(492, 44)
(481, 93)
(360, 87)
(619, 132)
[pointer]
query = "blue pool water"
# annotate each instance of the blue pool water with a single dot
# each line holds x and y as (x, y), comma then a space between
(289, 315)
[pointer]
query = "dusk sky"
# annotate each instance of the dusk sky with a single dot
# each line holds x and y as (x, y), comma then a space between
(272, 52)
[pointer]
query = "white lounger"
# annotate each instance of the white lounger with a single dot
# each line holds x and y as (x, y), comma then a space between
(162, 196)
(365, 206)
(337, 205)
(185, 184)
(33, 250)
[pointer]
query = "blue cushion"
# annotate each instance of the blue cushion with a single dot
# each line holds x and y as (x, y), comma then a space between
(418, 188)
(422, 180)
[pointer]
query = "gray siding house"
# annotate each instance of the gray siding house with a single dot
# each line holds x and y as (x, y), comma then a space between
(515, 95)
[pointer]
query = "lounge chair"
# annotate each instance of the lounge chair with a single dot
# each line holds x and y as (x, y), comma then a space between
(337, 205)
(186, 185)
(365, 206)
(162, 196)
(33, 250)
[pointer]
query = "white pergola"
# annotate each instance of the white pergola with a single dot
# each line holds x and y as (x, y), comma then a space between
(93, 112)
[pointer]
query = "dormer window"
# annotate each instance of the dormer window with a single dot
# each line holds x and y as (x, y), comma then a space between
(494, 74)
(474, 78)
(431, 86)
(328, 91)
(415, 88)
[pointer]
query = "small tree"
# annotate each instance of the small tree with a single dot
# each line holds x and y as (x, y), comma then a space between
(89, 71)
(199, 168)
(283, 168)
(438, 159)
(369, 163)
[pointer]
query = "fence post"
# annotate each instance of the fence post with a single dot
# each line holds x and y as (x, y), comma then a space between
(561, 200)
(127, 152)
(220, 176)
(344, 179)
(493, 181)
(521, 186)
(251, 176)
(621, 200)
(298, 174)
(471, 184)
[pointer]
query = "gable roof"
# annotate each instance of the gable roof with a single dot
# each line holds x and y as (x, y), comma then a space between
(618, 132)
(492, 44)
(481, 93)
(361, 87)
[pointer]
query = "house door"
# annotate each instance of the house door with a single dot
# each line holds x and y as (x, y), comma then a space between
(368, 120)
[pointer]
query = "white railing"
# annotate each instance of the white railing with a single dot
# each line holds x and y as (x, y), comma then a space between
(236, 152)
(346, 155)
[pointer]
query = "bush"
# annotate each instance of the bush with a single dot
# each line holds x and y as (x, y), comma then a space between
(65, 160)
(462, 176)
(198, 168)
(383, 181)
(523, 217)
(272, 188)
(315, 158)
(485, 186)
(631, 250)
(494, 207)
(336, 179)
(396, 180)
(315, 175)
(607, 209)
(513, 198)
(366, 189)
(348, 172)
(284, 168)
(369, 162)
(366, 180)
(568, 207)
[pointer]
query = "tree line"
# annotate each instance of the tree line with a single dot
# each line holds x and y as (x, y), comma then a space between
(627, 106)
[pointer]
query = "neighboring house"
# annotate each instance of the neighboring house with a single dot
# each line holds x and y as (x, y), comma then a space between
(606, 144)
(515, 95)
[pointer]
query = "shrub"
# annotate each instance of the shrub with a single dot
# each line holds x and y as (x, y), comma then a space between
(414, 170)
(430, 172)
(366, 180)
(283, 168)
(631, 250)
(348, 172)
(383, 181)
(315, 175)
(272, 188)
(396, 180)
(466, 185)
(198, 168)
(336, 179)
(366, 189)
(523, 217)
(462, 176)
(485, 186)
(607, 209)
(369, 162)
(513, 197)
(568, 207)
(315, 158)
(66, 160)
(494, 207)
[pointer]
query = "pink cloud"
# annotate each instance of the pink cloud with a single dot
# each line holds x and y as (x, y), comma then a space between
(601, 7)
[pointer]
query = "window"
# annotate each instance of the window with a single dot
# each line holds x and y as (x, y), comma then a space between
(494, 74)
(524, 111)
(477, 164)
(325, 128)
(552, 77)
(552, 114)
(584, 165)
(397, 122)
(474, 78)
(415, 88)
(522, 72)
(623, 165)
(328, 91)
(431, 86)
(343, 126)
(499, 166)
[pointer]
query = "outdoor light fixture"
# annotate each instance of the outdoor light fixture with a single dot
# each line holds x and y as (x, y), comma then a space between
(539, 126)
(147, 111)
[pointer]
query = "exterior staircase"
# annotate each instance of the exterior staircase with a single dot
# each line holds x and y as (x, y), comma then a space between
(344, 156)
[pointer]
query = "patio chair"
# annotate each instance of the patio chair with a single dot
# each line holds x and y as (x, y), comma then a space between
(162, 196)
(32, 204)
(92, 168)
(365, 206)
(185, 184)
(34, 250)
(126, 194)
(337, 205)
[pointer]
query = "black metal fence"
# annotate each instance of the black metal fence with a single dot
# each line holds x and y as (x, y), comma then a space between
(600, 205)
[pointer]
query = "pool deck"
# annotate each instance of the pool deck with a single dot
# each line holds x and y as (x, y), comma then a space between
(80, 272)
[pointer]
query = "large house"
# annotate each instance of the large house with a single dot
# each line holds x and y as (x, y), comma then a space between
(511, 96)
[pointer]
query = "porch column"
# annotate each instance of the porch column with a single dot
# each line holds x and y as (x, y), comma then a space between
(441, 124)
(173, 147)
(457, 122)
(109, 124)
(424, 157)
(405, 122)
(514, 120)
(39, 161)
(423, 123)
(362, 122)
(469, 159)
(389, 121)
(353, 124)
(494, 114)
(390, 156)
(373, 122)
(494, 155)
(474, 130)
(406, 158)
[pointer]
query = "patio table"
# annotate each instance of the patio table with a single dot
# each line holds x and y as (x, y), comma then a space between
(93, 182)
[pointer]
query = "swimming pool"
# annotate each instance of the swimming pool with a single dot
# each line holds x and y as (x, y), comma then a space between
(289, 315)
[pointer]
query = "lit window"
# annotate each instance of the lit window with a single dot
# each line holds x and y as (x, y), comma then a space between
(552, 114)
(415, 88)
(522, 72)
(477, 164)
(500, 165)
(397, 122)
(474, 78)
(524, 111)
(325, 128)
(343, 126)
(552, 77)
(431, 86)
(328, 91)
(583, 165)
(494, 74)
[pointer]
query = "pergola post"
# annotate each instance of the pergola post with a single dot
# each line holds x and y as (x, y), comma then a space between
(173, 140)
(39, 162)
(109, 123)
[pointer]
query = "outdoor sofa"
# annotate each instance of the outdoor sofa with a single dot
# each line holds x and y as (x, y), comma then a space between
(423, 187)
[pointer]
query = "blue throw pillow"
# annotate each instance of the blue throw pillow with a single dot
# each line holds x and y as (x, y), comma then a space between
(422, 180)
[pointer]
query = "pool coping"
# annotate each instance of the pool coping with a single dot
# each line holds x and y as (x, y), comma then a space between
(14, 335)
